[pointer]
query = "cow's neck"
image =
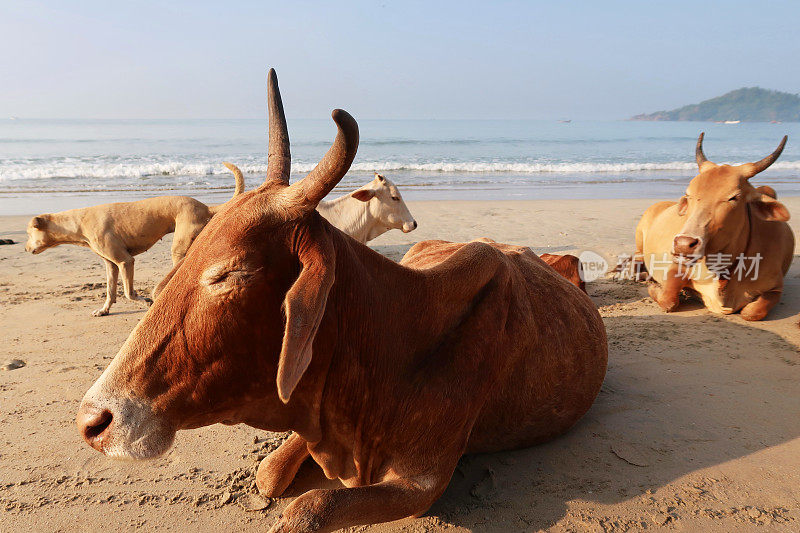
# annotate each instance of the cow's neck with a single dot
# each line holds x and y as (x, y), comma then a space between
(351, 216)
(376, 334)
(740, 242)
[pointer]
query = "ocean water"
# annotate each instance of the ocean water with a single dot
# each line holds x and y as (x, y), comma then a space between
(56, 164)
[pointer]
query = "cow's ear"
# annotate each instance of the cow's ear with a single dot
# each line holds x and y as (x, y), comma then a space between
(39, 222)
(766, 189)
(769, 208)
(682, 204)
(365, 195)
(304, 305)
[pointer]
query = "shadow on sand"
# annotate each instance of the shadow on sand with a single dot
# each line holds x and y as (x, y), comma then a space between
(681, 394)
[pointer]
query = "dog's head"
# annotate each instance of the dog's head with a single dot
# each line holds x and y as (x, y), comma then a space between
(39, 238)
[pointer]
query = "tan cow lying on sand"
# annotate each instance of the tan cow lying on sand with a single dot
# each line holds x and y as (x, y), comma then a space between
(481, 347)
(117, 232)
(370, 211)
(725, 240)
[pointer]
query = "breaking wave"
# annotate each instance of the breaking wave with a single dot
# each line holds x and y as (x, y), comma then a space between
(24, 170)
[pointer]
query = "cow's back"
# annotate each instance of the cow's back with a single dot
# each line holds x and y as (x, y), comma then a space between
(551, 350)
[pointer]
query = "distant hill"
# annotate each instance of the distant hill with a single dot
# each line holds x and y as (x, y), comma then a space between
(748, 104)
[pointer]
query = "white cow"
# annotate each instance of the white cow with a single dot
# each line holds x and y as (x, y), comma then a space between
(370, 211)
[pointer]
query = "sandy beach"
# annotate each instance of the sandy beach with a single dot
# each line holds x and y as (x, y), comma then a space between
(695, 428)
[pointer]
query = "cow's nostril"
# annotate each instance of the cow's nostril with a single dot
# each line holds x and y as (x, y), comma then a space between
(93, 423)
(96, 429)
(415, 224)
(685, 244)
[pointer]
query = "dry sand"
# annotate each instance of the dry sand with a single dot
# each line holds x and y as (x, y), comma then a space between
(696, 426)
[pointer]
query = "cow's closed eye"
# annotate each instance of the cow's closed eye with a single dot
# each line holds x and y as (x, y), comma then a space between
(225, 278)
(395, 198)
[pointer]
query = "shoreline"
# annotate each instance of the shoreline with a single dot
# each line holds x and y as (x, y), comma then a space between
(15, 203)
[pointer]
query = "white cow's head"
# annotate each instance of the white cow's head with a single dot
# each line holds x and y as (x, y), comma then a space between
(386, 205)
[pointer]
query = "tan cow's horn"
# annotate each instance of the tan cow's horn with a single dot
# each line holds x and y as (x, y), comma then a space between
(279, 157)
(335, 164)
(698, 152)
(751, 169)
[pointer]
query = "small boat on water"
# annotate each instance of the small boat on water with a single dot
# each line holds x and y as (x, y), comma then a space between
(565, 121)
(732, 122)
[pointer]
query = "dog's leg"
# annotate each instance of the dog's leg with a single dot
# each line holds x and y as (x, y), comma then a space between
(179, 249)
(112, 274)
(126, 266)
(332, 509)
(277, 470)
(183, 239)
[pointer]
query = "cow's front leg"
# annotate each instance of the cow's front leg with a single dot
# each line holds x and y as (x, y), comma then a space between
(322, 510)
(668, 294)
(277, 470)
(758, 308)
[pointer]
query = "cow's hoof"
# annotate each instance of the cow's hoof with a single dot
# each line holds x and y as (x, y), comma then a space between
(100, 312)
(670, 307)
(281, 526)
(654, 292)
(753, 317)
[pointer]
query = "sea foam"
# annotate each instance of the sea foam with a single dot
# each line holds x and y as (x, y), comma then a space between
(28, 170)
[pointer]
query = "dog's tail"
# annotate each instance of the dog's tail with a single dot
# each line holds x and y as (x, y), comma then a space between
(239, 177)
(237, 174)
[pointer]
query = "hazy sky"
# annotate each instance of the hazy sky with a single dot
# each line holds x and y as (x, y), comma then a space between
(567, 59)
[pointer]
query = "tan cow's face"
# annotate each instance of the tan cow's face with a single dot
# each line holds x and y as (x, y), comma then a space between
(386, 204)
(190, 362)
(717, 205)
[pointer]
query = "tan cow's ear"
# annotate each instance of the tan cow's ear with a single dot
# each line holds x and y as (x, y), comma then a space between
(769, 208)
(39, 222)
(365, 195)
(682, 204)
(305, 305)
(766, 189)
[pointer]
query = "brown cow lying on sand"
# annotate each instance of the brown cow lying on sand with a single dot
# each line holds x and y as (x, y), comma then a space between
(725, 240)
(117, 232)
(270, 321)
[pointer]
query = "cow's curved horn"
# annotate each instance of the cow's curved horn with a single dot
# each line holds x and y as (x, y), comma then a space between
(751, 169)
(279, 158)
(334, 165)
(698, 152)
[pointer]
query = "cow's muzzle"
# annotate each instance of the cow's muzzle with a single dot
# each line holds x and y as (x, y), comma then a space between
(409, 227)
(687, 245)
(124, 428)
